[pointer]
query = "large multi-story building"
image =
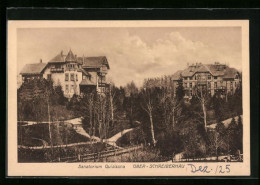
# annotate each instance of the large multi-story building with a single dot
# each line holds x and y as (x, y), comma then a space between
(217, 78)
(74, 74)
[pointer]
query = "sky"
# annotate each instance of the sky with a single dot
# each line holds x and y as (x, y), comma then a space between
(134, 53)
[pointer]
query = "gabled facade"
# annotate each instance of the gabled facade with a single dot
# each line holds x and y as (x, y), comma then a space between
(74, 74)
(217, 78)
(32, 71)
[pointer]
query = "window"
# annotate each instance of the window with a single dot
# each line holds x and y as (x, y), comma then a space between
(57, 66)
(185, 78)
(198, 77)
(72, 88)
(67, 88)
(215, 85)
(48, 76)
(76, 77)
(104, 68)
(190, 84)
(66, 77)
(209, 85)
(215, 77)
(209, 77)
(72, 77)
(235, 84)
(83, 77)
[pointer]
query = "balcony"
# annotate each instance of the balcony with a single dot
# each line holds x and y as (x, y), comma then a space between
(57, 70)
(102, 84)
(70, 69)
(220, 87)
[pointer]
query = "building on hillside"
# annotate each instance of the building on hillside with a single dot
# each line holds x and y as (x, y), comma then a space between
(217, 78)
(74, 74)
(32, 71)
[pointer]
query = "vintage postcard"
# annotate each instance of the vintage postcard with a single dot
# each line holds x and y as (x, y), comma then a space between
(128, 98)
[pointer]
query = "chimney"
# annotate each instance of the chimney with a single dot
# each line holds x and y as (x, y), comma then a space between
(61, 53)
(40, 60)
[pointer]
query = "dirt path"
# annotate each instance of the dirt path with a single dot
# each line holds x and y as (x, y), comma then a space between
(56, 146)
(74, 121)
(226, 122)
(79, 129)
(77, 126)
(114, 138)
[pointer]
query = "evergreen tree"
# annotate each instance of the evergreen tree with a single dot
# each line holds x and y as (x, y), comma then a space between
(232, 136)
(180, 93)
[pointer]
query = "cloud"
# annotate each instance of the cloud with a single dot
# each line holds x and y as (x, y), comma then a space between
(131, 57)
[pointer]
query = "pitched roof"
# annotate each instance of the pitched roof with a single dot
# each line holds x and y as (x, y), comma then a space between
(87, 62)
(87, 82)
(230, 73)
(93, 61)
(85, 72)
(59, 58)
(36, 68)
(70, 57)
(217, 70)
(198, 68)
(191, 70)
(176, 75)
(214, 69)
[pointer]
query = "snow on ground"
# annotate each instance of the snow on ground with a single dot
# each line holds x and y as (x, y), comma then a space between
(226, 122)
(77, 126)
(55, 146)
(118, 135)
(74, 121)
(113, 139)
(79, 129)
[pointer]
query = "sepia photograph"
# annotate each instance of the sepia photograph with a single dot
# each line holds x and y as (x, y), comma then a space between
(107, 95)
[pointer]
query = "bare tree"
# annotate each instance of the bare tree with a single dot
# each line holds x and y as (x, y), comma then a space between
(112, 94)
(174, 102)
(148, 107)
(202, 95)
(48, 94)
(215, 141)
